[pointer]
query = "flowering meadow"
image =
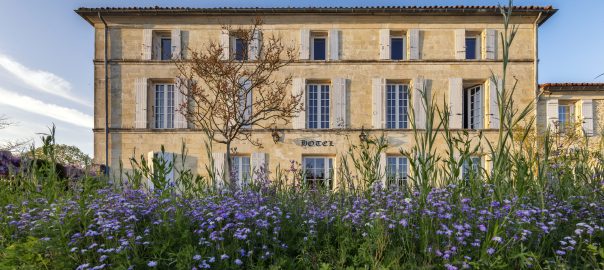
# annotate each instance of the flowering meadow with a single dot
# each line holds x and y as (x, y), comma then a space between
(97, 225)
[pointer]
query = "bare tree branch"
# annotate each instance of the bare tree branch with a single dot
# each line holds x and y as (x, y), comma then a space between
(5, 122)
(228, 98)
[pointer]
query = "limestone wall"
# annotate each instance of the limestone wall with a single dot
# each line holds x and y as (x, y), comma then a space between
(359, 63)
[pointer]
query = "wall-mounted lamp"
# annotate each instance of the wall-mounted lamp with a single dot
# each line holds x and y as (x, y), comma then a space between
(363, 135)
(276, 135)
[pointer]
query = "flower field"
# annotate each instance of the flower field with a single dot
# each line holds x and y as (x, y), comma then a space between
(100, 227)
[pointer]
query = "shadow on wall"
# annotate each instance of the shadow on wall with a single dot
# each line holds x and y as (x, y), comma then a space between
(181, 163)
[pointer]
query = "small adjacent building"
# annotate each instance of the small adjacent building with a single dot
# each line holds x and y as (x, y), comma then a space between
(576, 108)
(359, 69)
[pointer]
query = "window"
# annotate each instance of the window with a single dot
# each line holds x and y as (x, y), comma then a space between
(245, 101)
(240, 49)
(317, 106)
(397, 171)
(166, 49)
(565, 116)
(241, 169)
(163, 111)
(472, 47)
(318, 46)
(397, 47)
(472, 107)
(397, 104)
(471, 166)
(318, 172)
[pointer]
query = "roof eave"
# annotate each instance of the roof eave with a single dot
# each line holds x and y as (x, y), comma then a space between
(88, 13)
(570, 87)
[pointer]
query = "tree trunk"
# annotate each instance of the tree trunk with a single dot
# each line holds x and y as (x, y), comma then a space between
(227, 172)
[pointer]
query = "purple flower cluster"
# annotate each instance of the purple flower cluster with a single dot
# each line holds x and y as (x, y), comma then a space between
(249, 228)
(8, 163)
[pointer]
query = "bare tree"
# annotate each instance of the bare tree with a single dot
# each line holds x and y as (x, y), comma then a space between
(231, 91)
(4, 122)
(11, 145)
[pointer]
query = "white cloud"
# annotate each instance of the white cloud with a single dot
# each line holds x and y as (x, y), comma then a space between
(57, 112)
(40, 80)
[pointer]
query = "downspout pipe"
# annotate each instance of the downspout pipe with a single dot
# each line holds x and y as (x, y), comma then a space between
(536, 74)
(536, 55)
(106, 171)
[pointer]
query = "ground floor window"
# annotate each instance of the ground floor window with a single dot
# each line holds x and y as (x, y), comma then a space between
(566, 115)
(397, 171)
(241, 169)
(318, 172)
(471, 166)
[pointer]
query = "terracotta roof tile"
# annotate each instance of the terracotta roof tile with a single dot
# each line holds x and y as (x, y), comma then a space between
(261, 9)
(572, 86)
(89, 13)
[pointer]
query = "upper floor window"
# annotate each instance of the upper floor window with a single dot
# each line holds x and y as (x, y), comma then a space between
(163, 111)
(397, 104)
(240, 49)
(398, 46)
(397, 171)
(472, 107)
(166, 48)
(473, 47)
(161, 44)
(317, 106)
(318, 46)
(241, 169)
(318, 172)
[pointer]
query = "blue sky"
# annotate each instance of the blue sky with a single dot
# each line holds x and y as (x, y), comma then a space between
(46, 55)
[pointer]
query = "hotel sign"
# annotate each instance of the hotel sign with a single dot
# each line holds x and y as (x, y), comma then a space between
(316, 143)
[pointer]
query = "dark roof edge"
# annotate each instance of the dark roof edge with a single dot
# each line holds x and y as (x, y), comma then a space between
(558, 87)
(86, 13)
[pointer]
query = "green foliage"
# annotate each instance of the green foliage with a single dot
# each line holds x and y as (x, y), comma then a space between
(64, 154)
(365, 159)
(30, 254)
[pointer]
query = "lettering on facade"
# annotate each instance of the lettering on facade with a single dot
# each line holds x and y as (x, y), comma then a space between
(315, 143)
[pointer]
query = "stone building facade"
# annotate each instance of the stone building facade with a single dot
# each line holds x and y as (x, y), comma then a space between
(363, 65)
